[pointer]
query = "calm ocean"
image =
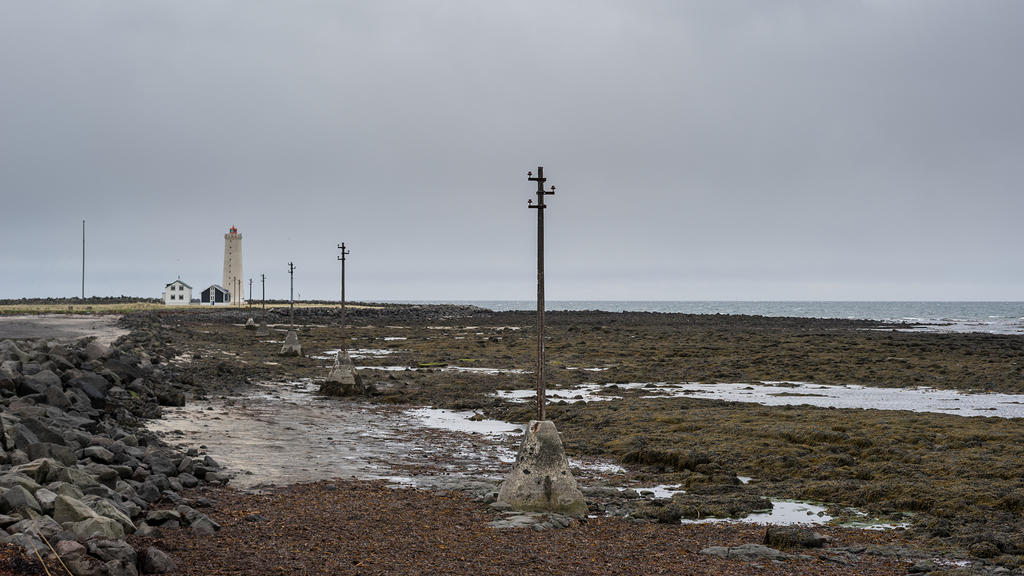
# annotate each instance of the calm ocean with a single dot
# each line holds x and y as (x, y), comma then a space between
(992, 317)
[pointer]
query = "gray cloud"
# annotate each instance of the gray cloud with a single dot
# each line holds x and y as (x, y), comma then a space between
(725, 150)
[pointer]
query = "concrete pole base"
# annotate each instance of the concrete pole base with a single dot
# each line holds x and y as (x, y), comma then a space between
(291, 345)
(250, 324)
(540, 480)
(342, 379)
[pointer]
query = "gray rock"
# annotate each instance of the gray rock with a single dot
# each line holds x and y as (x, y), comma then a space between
(160, 463)
(159, 517)
(148, 492)
(84, 566)
(65, 489)
(17, 435)
(79, 478)
(185, 465)
(55, 396)
(95, 351)
(98, 527)
(103, 474)
(17, 499)
(794, 537)
(10, 351)
(155, 561)
(60, 453)
(120, 568)
(746, 552)
(93, 386)
(26, 541)
(41, 470)
(38, 383)
(107, 550)
(6, 520)
(46, 499)
(44, 525)
(11, 479)
(98, 454)
(107, 509)
(69, 549)
(187, 480)
(46, 432)
(67, 509)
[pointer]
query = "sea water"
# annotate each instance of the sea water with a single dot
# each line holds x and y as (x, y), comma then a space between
(991, 317)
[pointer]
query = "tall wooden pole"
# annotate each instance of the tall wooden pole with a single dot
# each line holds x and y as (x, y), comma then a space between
(291, 295)
(344, 252)
(540, 206)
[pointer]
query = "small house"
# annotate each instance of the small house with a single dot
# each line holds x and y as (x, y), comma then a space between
(215, 294)
(177, 293)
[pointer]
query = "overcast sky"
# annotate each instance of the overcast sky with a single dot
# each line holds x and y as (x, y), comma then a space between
(718, 150)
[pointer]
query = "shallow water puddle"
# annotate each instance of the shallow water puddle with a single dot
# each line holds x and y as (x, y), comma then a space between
(283, 433)
(796, 393)
(354, 353)
(783, 513)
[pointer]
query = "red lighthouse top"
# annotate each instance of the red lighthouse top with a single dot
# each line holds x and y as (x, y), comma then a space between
(234, 230)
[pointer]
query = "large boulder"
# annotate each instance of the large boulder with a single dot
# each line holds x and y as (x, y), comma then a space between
(18, 499)
(107, 509)
(155, 561)
(61, 454)
(38, 383)
(97, 527)
(95, 351)
(10, 351)
(107, 550)
(42, 470)
(68, 509)
(93, 386)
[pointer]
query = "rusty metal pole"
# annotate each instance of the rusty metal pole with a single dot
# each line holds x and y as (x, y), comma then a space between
(540, 206)
(344, 332)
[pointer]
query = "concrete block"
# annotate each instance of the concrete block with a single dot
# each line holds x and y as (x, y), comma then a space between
(540, 480)
(291, 345)
(342, 379)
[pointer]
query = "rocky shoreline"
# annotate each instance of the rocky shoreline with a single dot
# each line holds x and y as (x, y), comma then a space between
(78, 473)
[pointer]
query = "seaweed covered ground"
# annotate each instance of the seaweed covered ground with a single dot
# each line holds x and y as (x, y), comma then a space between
(956, 482)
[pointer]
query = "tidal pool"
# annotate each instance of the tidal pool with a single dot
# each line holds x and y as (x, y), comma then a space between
(797, 393)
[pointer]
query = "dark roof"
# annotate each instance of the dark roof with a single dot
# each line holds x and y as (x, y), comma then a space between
(218, 287)
(178, 280)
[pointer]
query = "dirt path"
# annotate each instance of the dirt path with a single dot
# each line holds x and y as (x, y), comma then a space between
(66, 328)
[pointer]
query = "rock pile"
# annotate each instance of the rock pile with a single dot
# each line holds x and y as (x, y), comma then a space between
(77, 472)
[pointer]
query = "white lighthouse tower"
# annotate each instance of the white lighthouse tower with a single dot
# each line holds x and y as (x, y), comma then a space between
(233, 266)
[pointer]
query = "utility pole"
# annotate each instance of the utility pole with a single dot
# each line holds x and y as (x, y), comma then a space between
(250, 295)
(344, 253)
(291, 295)
(540, 206)
(83, 259)
(263, 282)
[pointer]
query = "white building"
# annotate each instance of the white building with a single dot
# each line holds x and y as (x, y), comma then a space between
(177, 293)
(233, 266)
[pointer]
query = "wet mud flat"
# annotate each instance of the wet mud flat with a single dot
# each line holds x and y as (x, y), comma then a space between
(953, 481)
